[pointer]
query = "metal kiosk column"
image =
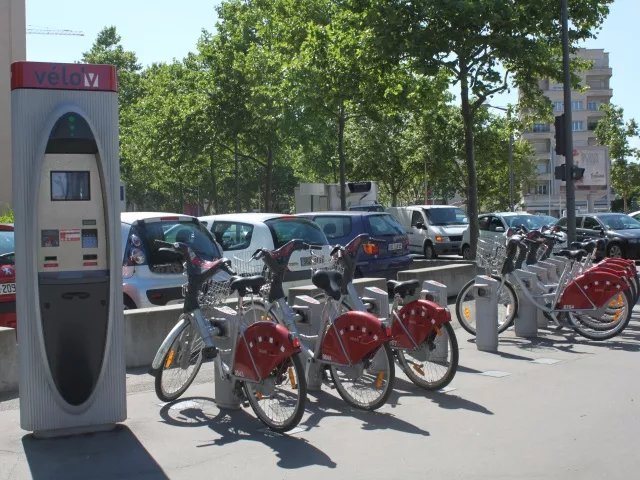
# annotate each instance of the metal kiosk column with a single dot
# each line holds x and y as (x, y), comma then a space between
(66, 180)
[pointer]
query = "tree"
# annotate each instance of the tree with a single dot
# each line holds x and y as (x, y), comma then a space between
(613, 132)
(107, 50)
(481, 43)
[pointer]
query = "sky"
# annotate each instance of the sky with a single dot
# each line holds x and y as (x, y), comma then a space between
(161, 30)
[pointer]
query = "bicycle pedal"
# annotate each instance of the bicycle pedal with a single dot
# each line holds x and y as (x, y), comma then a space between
(209, 353)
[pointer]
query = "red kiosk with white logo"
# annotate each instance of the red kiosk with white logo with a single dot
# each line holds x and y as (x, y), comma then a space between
(66, 198)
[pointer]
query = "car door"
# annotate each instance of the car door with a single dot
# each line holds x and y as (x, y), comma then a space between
(483, 224)
(591, 228)
(417, 235)
(496, 228)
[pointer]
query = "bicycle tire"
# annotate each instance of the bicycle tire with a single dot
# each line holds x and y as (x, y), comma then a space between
(606, 334)
(451, 372)
(298, 412)
(382, 399)
(501, 326)
(171, 396)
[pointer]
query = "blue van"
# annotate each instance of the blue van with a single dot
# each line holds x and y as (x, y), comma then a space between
(388, 249)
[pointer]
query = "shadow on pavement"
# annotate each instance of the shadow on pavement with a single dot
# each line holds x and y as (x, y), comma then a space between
(328, 405)
(237, 425)
(105, 455)
(449, 401)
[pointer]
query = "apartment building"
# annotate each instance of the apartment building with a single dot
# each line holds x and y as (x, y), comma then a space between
(13, 47)
(547, 195)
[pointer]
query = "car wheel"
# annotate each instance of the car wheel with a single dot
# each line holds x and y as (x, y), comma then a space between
(128, 304)
(614, 251)
(429, 251)
(466, 252)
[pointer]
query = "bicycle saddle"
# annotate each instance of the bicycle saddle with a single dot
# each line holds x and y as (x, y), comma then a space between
(572, 254)
(330, 281)
(246, 285)
(588, 245)
(407, 287)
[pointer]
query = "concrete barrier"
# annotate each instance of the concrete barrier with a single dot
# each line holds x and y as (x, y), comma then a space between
(359, 283)
(453, 276)
(423, 263)
(8, 360)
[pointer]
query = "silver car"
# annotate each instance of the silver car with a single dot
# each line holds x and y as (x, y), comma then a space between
(153, 278)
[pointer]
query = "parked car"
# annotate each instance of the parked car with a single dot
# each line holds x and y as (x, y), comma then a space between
(622, 233)
(433, 229)
(548, 220)
(388, 249)
(151, 277)
(7, 277)
(241, 234)
(635, 215)
(495, 225)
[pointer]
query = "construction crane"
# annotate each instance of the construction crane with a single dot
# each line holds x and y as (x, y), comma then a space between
(33, 30)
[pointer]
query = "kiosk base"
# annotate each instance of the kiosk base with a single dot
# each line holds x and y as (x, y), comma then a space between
(67, 432)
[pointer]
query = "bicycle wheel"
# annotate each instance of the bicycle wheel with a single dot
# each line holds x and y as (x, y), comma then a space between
(607, 323)
(367, 384)
(180, 365)
(280, 399)
(508, 306)
(256, 311)
(435, 363)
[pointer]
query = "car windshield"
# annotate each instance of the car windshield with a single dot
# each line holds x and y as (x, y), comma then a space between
(285, 229)
(191, 233)
(619, 222)
(446, 216)
(529, 221)
(384, 225)
(547, 220)
(7, 244)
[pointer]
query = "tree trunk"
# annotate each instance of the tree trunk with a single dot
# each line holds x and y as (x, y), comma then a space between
(269, 180)
(472, 181)
(214, 184)
(236, 161)
(343, 182)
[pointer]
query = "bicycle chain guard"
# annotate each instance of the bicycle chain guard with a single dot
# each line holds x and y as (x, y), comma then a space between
(420, 318)
(265, 345)
(358, 332)
(596, 285)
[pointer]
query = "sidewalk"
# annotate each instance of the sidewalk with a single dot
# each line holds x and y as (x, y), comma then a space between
(577, 418)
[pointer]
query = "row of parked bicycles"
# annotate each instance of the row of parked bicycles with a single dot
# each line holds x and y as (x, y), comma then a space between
(266, 361)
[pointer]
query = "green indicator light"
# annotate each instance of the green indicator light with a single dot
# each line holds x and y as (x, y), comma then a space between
(72, 127)
(72, 118)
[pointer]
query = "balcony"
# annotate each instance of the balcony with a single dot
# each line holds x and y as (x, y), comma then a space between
(600, 91)
(600, 71)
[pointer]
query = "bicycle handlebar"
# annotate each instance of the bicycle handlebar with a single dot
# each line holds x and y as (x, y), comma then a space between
(183, 249)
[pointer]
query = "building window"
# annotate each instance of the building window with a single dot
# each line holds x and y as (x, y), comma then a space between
(540, 128)
(558, 106)
(591, 126)
(577, 126)
(541, 147)
(593, 105)
(542, 167)
(541, 189)
(577, 105)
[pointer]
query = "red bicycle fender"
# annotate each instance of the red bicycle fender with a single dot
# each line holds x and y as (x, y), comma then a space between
(420, 318)
(598, 284)
(266, 344)
(359, 333)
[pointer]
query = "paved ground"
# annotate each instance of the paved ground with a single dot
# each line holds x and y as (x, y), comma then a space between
(577, 418)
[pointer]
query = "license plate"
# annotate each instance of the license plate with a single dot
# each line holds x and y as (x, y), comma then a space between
(395, 246)
(307, 261)
(7, 288)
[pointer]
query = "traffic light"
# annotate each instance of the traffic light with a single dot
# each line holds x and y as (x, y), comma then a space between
(559, 124)
(561, 173)
(578, 173)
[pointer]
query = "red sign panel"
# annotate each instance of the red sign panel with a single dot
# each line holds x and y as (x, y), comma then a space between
(64, 76)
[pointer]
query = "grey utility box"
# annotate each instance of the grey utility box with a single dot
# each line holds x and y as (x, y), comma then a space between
(66, 199)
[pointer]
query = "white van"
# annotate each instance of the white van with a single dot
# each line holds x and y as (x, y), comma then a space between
(433, 229)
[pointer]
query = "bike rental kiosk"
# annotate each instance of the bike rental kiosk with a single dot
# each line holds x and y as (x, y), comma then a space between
(66, 199)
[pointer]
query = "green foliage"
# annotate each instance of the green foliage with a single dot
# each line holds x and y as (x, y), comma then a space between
(8, 216)
(284, 91)
(613, 132)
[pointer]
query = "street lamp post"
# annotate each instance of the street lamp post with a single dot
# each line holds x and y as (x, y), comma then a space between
(511, 181)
